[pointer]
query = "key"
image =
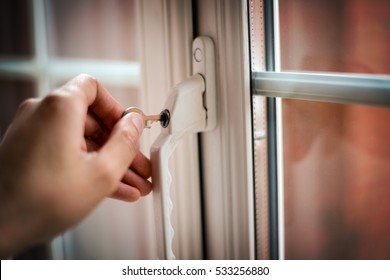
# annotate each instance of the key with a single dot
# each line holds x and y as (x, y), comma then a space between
(148, 120)
(163, 117)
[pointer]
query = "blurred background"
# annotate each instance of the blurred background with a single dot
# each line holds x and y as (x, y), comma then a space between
(44, 44)
(336, 157)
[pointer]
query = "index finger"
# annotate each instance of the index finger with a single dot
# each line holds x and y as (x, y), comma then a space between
(94, 97)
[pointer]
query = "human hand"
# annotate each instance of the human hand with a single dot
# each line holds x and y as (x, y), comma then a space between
(61, 156)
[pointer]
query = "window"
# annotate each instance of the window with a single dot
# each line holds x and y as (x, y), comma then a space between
(14, 21)
(226, 152)
(297, 166)
(331, 159)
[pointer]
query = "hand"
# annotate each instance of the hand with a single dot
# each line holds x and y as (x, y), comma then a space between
(61, 156)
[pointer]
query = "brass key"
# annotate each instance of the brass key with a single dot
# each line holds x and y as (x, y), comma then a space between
(163, 117)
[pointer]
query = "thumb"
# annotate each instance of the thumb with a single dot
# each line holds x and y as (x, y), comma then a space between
(122, 146)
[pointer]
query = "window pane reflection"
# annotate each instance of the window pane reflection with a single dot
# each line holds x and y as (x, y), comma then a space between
(336, 35)
(12, 92)
(16, 29)
(337, 174)
(94, 29)
(336, 157)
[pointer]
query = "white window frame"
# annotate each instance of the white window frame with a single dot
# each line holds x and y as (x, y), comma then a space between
(223, 211)
(227, 153)
(168, 25)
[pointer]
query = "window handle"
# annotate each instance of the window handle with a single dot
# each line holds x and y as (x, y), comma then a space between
(191, 107)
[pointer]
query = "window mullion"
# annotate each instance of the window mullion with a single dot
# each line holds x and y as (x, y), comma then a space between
(40, 47)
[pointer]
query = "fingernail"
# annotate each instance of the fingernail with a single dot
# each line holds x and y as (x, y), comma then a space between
(138, 121)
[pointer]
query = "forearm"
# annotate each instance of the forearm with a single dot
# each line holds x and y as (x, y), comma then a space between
(15, 218)
(10, 231)
(8, 236)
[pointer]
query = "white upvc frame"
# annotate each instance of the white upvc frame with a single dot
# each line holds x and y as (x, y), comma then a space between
(227, 153)
(166, 59)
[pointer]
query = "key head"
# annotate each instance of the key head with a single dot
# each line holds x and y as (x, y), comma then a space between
(134, 110)
(148, 120)
(138, 111)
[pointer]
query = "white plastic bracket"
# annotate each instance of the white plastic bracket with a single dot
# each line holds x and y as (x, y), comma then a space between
(192, 108)
(203, 63)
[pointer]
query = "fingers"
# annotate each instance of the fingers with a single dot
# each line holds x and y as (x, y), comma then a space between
(134, 183)
(90, 145)
(91, 94)
(113, 138)
(27, 106)
(95, 130)
(116, 155)
(126, 193)
(132, 187)
(131, 178)
(88, 94)
(142, 165)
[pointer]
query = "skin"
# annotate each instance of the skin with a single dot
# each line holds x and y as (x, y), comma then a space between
(61, 156)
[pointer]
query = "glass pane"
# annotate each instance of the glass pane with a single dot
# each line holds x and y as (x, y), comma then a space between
(336, 158)
(92, 29)
(337, 174)
(15, 29)
(336, 35)
(12, 93)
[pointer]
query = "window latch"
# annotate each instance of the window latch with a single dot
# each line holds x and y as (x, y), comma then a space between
(190, 108)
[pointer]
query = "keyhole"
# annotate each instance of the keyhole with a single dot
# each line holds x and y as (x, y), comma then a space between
(164, 119)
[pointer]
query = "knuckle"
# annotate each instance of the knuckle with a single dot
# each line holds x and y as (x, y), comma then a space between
(87, 79)
(52, 100)
(54, 103)
(27, 105)
(129, 134)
